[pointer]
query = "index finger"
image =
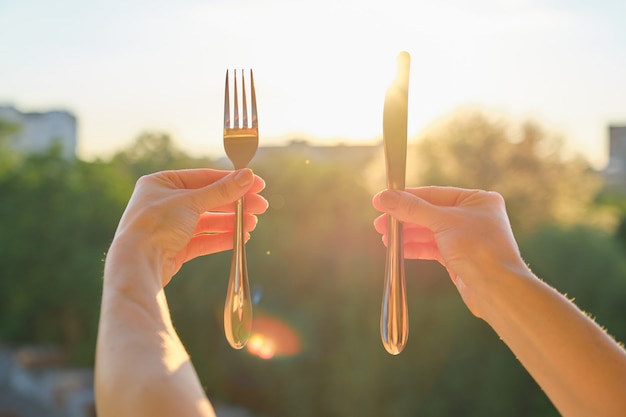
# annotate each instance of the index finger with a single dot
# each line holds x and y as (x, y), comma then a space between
(201, 177)
(408, 207)
(441, 196)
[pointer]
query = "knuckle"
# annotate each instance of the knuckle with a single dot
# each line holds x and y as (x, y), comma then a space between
(495, 198)
(143, 180)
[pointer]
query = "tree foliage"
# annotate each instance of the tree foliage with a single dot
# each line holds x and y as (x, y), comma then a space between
(8, 158)
(154, 151)
(522, 161)
(585, 263)
(57, 218)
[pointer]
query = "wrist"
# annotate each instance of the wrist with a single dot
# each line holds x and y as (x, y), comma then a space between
(133, 286)
(502, 289)
(133, 265)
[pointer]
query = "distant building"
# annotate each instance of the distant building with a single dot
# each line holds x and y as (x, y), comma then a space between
(356, 156)
(37, 132)
(615, 171)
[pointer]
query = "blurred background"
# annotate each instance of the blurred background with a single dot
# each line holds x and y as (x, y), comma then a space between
(522, 97)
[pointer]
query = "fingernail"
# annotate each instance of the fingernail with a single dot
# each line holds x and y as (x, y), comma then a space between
(390, 199)
(244, 177)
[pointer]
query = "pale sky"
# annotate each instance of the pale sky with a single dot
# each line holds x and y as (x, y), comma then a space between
(321, 67)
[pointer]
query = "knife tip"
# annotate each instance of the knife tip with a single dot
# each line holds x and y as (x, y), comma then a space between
(404, 59)
(404, 63)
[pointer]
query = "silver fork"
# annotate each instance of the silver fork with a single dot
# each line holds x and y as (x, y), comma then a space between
(241, 141)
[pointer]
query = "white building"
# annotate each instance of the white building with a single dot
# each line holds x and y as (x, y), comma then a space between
(37, 132)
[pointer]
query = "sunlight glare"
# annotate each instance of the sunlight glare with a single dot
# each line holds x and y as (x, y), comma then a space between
(273, 337)
(261, 346)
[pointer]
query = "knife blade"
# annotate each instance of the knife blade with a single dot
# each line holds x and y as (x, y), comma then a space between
(395, 120)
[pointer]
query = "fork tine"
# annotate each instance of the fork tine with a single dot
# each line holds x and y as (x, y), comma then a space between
(255, 122)
(226, 104)
(236, 109)
(245, 106)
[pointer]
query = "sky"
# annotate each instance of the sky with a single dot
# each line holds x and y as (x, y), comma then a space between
(125, 67)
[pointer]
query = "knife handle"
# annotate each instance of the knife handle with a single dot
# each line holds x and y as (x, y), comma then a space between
(394, 318)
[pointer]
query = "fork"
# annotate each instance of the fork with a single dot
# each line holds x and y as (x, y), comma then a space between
(241, 141)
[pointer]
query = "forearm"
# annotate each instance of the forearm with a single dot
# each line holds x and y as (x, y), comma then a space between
(576, 363)
(141, 365)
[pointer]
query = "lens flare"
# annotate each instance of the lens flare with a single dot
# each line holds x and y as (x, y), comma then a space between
(261, 346)
(272, 337)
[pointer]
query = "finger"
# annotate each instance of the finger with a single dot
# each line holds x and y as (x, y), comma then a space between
(258, 185)
(201, 177)
(254, 204)
(382, 226)
(194, 178)
(210, 222)
(427, 250)
(417, 234)
(439, 196)
(206, 244)
(409, 208)
(381, 223)
(223, 222)
(420, 235)
(442, 196)
(423, 251)
(223, 191)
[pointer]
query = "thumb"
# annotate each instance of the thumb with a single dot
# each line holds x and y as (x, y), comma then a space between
(225, 190)
(408, 208)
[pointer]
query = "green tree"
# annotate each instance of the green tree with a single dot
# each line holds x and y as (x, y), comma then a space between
(585, 263)
(8, 157)
(57, 218)
(155, 151)
(523, 162)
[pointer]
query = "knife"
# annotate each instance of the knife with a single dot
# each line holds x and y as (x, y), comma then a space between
(394, 318)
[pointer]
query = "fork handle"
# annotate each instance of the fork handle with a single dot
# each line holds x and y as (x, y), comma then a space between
(394, 318)
(238, 305)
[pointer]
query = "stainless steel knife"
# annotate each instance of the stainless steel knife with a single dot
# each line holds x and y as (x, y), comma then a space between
(394, 319)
